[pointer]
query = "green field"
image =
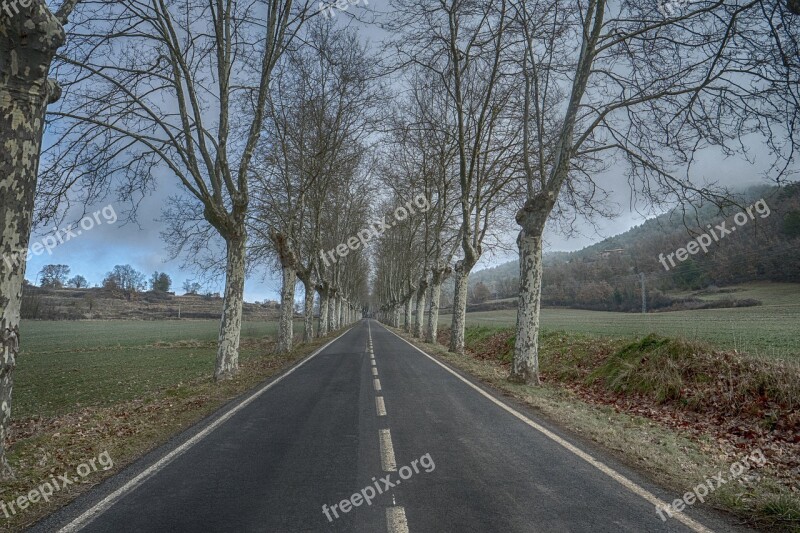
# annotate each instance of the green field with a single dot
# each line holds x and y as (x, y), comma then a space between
(770, 330)
(71, 364)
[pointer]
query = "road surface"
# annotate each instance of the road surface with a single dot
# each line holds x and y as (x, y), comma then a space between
(369, 417)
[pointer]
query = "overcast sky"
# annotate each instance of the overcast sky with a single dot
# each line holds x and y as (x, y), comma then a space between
(94, 252)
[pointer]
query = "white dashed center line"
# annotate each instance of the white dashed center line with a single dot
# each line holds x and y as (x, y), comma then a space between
(380, 406)
(388, 463)
(396, 520)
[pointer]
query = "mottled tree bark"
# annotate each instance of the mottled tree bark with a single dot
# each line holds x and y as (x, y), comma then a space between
(459, 308)
(323, 312)
(419, 318)
(435, 295)
(286, 323)
(526, 348)
(28, 42)
(407, 307)
(308, 312)
(231, 323)
(332, 324)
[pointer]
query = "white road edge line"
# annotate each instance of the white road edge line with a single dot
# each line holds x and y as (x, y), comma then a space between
(388, 463)
(374, 370)
(396, 520)
(373, 362)
(380, 406)
(377, 384)
(104, 504)
(613, 474)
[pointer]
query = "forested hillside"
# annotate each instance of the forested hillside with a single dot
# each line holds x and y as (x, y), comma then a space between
(606, 275)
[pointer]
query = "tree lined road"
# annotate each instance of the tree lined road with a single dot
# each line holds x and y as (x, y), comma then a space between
(320, 434)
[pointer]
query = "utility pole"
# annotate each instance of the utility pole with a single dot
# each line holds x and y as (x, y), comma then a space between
(644, 294)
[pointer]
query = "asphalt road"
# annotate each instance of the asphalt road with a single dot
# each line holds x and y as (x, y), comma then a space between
(368, 406)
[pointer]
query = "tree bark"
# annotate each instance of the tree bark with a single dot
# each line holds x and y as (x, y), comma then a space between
(526, 349)
(308, 312)
(323, 312)
(332, 325)
(419, 319)
(396, 317)
(286, 323)
(28, 43)
(231, 324)
(459, 308)
(433, 308)
(409, 305)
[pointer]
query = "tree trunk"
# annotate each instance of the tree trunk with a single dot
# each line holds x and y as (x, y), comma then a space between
(332, 326)
(341, 305)
(459, 308)
(286, 323)
(526, 349)
(308, 312)
(28, 42)
(231, 324)
(396, 317)
(409, 305)
(419, 319)
(433, 308)
(323, 313)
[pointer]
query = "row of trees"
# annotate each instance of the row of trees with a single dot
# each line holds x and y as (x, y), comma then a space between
(532, 101)
(260, 111)
(123, 277)
(266, 117)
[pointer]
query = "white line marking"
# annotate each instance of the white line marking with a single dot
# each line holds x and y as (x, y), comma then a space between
(104, 504)
(396, 520)
(377, 384)
(388, 463)
(380, 406)
(613, 474)
(374, 370)
(373, 362)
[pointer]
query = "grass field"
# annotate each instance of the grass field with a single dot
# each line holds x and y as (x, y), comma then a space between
(771, 329)
(71, 364)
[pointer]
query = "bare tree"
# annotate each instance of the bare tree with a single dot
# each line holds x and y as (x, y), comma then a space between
(461, 42)
(165, 91)
(29, 40)
(621, 82)
(420, 160)
(320, 111)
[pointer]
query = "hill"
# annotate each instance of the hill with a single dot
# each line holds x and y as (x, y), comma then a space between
(759, 240)
(111, 304)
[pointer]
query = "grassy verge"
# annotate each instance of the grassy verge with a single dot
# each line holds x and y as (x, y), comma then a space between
(596, 388)
(121, 399)
(768, 331)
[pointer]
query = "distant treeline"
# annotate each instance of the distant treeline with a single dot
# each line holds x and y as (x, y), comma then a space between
(606, 276)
